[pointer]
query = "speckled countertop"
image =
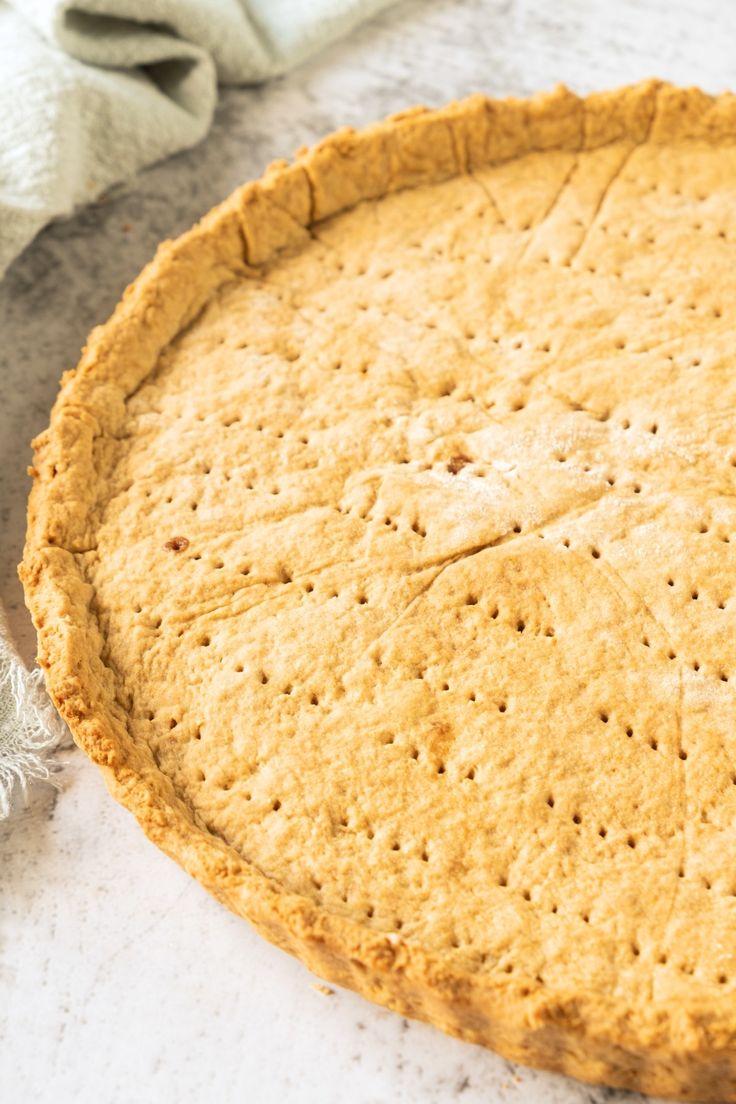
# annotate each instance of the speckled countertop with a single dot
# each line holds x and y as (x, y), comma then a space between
(121, 981)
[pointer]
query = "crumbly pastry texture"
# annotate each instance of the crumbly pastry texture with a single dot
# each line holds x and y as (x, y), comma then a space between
(380, 554)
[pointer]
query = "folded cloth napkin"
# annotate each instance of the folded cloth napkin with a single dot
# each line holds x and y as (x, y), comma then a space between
(93, 90)
(90, 92)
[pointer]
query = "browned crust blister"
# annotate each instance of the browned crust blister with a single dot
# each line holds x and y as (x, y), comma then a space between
(684, 1051)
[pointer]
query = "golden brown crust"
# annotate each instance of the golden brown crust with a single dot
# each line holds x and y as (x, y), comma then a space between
(672, 1047)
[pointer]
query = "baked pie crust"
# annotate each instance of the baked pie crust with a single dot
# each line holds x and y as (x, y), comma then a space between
(379, 553)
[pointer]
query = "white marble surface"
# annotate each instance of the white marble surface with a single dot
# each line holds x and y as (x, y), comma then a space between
(121, 982)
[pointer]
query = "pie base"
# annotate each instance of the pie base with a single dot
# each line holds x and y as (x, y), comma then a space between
(683, 1050)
